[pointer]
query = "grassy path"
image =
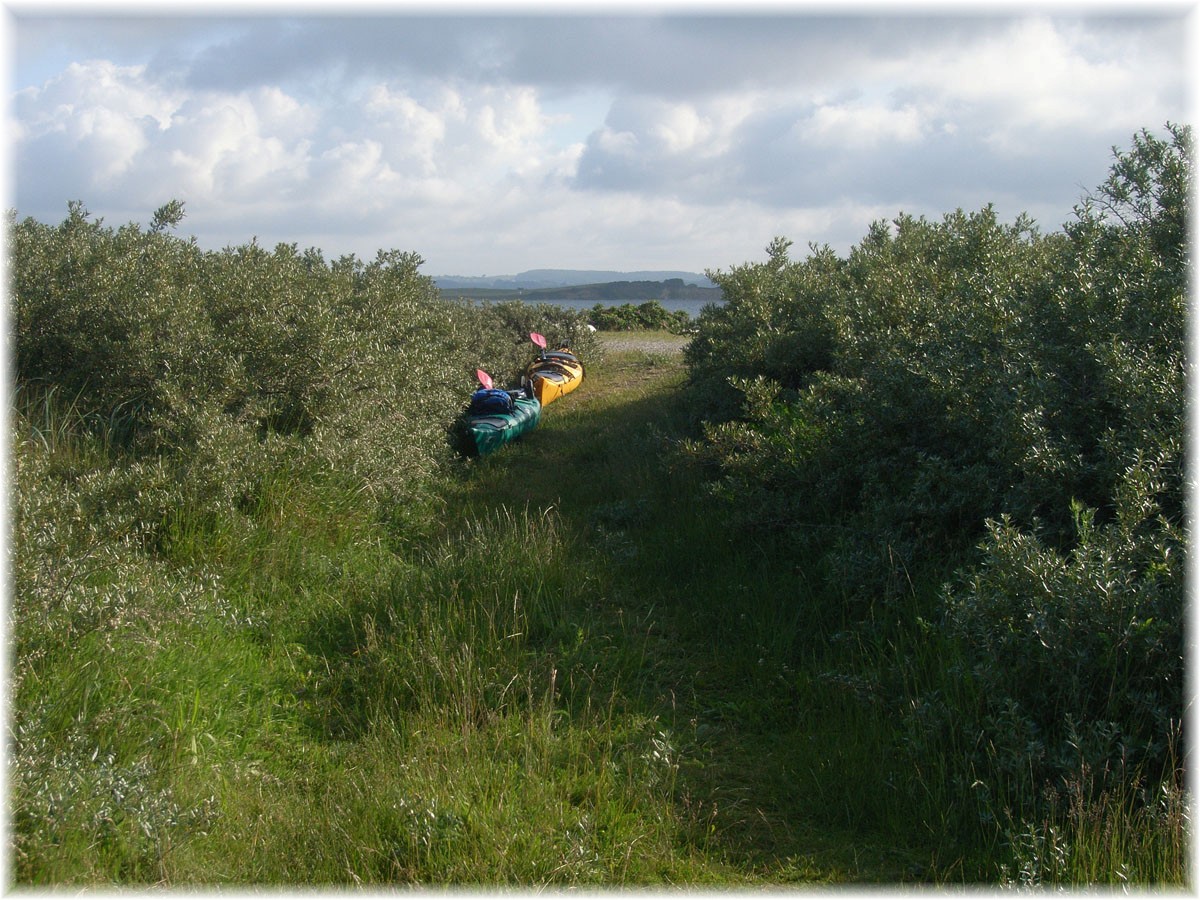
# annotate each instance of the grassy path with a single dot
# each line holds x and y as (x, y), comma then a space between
(688, 627)
(564, 670)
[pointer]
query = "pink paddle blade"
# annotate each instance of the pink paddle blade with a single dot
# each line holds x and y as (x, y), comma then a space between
(537, 339)
(484, 378)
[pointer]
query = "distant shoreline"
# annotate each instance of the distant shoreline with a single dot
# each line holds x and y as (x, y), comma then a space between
(542, 279)
(691, 307)
(672, 294)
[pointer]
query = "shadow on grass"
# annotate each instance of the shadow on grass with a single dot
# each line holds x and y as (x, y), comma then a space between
(720, 626)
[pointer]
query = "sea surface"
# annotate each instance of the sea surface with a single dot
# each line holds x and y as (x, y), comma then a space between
(691, 307)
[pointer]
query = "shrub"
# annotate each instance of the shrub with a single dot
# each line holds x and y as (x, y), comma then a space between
(177, 413)
(232, 363)
(1083, 638)
(628, 317)
(116, 319)
(883, 424)
(502, 336)
(773, 323)
(968, 395)
(1085, 649)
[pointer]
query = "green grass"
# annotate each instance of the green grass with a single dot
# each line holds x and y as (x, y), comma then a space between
(565, 670)
(730, 659)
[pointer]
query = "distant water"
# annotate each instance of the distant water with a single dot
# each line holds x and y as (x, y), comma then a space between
(691, 307)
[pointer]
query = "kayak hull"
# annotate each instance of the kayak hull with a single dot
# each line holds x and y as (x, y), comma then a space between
(553, 375)
(482, 434)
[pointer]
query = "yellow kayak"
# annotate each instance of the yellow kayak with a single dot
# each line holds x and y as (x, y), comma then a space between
(554, 373)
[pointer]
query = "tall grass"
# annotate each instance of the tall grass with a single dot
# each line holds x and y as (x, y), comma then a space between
(563, 669)
(292, 693)
(1135, 833)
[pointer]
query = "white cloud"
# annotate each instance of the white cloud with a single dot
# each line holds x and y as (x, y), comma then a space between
(1039, 76)
(96, 83)
(386, 145)
(472, 135)
(413, 130)
(510, 119)
(223, 146)
(859, 125)
(357, 170)
(589, 142)
(100, 132)
(281, 114)
(95, 118)
(674, 128)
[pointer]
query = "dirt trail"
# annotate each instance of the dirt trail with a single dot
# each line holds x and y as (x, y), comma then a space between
(658, 342)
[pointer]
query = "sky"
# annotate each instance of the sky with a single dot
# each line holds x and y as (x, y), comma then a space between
(491, 140)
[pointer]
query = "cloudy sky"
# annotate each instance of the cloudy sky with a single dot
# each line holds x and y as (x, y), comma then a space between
(491, 140)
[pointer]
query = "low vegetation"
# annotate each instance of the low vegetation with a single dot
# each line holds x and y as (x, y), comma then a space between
(972, 435)
(876, 578)
(648, 316)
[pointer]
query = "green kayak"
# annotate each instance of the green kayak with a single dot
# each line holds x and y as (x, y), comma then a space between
(481, 433)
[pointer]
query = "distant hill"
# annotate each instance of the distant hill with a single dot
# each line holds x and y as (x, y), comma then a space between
(535, 279)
